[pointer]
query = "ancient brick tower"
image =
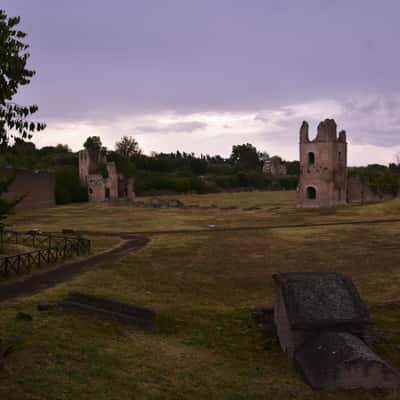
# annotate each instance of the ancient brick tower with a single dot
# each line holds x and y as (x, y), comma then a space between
(323, 167)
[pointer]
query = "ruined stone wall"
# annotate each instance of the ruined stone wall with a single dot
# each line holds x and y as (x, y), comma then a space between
(359, 191)
(99, 188)
(111, 182)
(37, 187)
(275, 167)
(96, 187)
(84, 164)
(323, 167)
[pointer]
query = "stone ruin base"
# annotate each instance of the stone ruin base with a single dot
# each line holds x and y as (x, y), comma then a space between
(340, 360)
(333, 361)
(324, 327)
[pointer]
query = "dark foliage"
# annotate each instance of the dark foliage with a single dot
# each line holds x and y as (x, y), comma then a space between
(14, 118)
(13, 74)
(59, 159)
(93, 144)
(68, 187)
(127, 147)
(246, 157)
(383, 180)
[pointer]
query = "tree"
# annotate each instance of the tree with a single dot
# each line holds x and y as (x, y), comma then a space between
(5, 206)
(13, 74)
(93, 144)
(263, 157)
(127, 147)
(245, 156)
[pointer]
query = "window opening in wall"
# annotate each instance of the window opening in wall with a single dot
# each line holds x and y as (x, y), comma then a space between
(107, 193)
(311, 158)
(311, 193)
(340, 156)
(90, 190)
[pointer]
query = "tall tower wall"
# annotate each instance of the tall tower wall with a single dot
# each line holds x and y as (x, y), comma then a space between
(84, 164)
(323, 167)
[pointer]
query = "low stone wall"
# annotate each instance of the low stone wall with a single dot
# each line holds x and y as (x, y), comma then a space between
(36, 188)
(360, 192)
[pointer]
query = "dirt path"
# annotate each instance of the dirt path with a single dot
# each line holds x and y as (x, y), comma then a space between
(242, 228)
(65, 272)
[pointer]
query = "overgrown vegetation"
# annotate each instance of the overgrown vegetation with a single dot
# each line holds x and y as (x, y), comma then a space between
(382, 180)
(59, 159)
(179, 172)
(14, 118)
(185, 172)
(158, 173)
(14, 73)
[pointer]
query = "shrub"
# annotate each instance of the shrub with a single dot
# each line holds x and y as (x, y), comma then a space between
(68, 187)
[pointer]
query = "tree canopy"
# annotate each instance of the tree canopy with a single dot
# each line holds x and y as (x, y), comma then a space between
(127, 147)
(246, 156)
(14, 118)
(93, 144)
(14, 56)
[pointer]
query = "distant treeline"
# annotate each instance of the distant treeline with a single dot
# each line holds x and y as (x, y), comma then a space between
(179, 172)
(383, 180)
(157, 173)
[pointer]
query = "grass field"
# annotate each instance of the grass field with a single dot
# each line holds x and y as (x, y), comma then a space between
(274, 208)
(202, 287)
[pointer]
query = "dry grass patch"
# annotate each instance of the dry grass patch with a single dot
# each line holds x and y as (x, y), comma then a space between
(202, 288)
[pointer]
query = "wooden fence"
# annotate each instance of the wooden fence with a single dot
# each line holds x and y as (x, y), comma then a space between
(49, 249)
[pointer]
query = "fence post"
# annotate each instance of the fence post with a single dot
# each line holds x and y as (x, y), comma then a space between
(63, 247)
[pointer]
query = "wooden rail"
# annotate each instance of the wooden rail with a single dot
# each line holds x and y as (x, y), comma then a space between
(49, 249)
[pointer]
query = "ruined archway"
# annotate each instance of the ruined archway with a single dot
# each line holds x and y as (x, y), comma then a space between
(311, 193)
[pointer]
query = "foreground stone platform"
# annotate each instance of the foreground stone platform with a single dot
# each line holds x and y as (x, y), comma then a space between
(339, 360)
(307, 302)
(324, 327)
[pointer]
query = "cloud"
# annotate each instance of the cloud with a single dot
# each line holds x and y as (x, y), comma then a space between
(372, 119)
(372, 123)
(157, 127)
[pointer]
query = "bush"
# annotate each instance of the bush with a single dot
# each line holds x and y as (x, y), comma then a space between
(68, 187)
(288, 182)
(227, 181)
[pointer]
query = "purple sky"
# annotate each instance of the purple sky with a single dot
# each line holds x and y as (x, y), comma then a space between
(201, 75)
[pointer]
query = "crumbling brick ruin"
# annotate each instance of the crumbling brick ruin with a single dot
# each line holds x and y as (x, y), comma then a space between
(323, 167)
(275, 167)
(34, 186)
(325, 328)
(324, 177)
(102, 178)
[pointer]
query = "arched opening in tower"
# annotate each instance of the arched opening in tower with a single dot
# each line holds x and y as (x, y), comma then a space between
(311, 158)
(311, 193)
